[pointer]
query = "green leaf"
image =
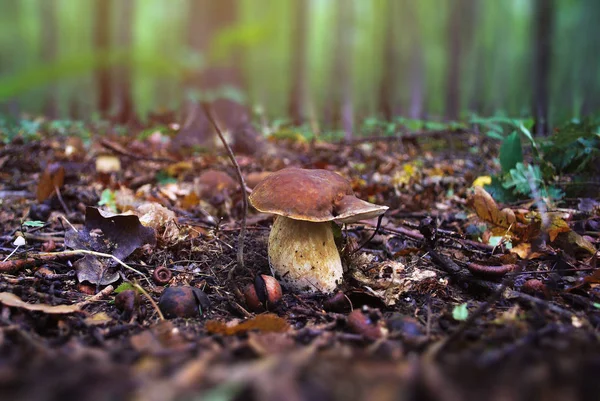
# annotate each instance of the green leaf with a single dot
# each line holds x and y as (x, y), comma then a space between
(460, 312)
(494, 135)
(511, 152)
(34, 223)
(524, 179)
(107, 198)
(498, 192)
(163, 178)
(124, 287)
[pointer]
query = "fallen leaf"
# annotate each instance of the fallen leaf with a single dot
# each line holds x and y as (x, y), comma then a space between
(390, 280)
(12, 300)
(53, 177)
(557, 226)
(265, 323)
(98, 319)
(573, 243)
(460, 312)
(482, 181)
(486, 209)
(118, 235)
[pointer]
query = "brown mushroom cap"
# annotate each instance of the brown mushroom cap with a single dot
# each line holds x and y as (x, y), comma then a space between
(311, 195)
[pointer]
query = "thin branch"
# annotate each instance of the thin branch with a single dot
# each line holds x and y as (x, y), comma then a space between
(240, 251)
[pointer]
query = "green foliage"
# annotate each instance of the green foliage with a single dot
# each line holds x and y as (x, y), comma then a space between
(518, 180)
(125, 286)
(401, 124)
(573, 147)
(11, 128)
(526, 180)
(164, 178)
(108, 199)
(511, 152)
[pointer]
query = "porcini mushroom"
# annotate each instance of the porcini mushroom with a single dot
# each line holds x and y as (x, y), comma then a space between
(302, 250)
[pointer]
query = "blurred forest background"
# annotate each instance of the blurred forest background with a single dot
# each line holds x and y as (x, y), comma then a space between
(336, 61)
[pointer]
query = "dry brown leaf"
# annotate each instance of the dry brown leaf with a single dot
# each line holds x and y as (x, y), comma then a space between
(557, 226)
(486, 209)
(53, 177)
(12, 300)
(265, 323)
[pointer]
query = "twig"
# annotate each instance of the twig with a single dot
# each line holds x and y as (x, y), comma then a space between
(99, 296)
(152, 302)
(371, 237)
(240, 251)
(534, 300)
(60, 199)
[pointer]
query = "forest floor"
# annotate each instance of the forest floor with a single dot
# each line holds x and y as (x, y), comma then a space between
(454, 298)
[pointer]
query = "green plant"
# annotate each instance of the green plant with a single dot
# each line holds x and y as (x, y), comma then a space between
(573, 147)
(11, 127)
(518, 179)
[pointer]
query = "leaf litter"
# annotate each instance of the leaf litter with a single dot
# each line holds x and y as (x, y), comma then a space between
(398, 325)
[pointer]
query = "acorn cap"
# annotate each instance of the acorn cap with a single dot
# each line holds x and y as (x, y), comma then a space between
(311, 195)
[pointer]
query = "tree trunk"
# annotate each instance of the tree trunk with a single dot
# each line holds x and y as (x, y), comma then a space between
(542, 57)
(454, 48)
(417, 63)
(298, 95)
(102, 25)
(49, 40)
(388, 82)
(341, 75)
(123, 73)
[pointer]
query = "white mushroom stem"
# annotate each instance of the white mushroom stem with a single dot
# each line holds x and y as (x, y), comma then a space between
(304, 256)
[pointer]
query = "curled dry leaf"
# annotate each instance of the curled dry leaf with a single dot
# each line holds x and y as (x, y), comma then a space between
(9, 299)
(389, 280)
(487, 209)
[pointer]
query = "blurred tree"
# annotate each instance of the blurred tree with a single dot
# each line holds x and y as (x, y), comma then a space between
(49, 41)
(298, 95)
(341, 73)
(388, 82)
(543, 25)
(124, 100)
(416, 64)
(102, 29)
(459, 36)
(588, 60)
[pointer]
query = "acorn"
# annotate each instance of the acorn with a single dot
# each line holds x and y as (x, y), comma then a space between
(263, 293)
(339, 302)
(127, 303)
(183, 301)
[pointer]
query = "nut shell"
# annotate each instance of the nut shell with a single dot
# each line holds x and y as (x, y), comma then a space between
(183, 301)
(263, 293)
